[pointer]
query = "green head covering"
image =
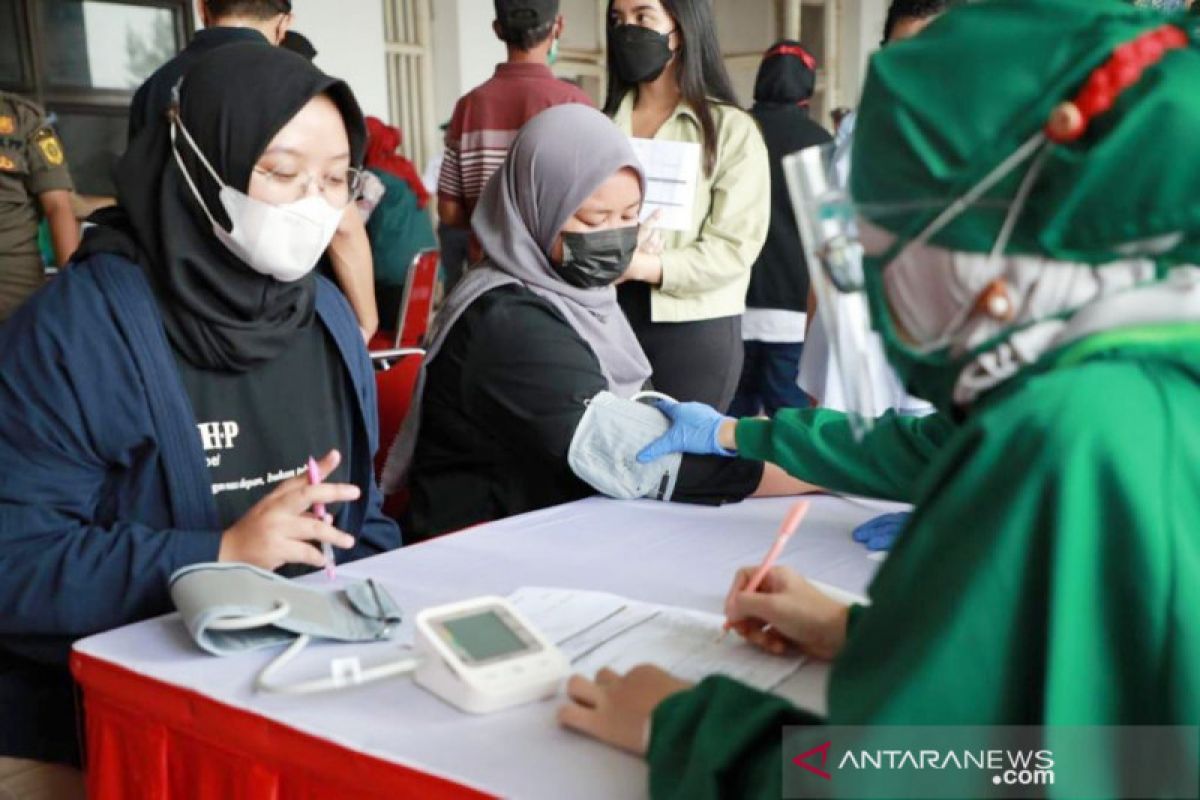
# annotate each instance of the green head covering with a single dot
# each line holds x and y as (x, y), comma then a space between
(941, 111)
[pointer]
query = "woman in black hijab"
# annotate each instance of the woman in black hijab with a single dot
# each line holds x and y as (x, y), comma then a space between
(159, 400)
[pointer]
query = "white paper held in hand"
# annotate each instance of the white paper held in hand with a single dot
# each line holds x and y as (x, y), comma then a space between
(672, 172)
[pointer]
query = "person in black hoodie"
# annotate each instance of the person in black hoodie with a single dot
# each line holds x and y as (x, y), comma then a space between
(774, 324)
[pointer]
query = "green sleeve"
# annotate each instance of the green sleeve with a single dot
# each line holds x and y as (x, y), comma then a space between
(854, 615)
(819, 446)
(1049, 575)
(720, 739)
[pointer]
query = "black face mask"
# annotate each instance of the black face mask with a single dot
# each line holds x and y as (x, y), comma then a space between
(639, 54)
(597, 258)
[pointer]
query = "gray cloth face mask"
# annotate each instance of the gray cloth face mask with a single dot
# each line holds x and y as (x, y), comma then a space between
(597, 258)
(232, 608)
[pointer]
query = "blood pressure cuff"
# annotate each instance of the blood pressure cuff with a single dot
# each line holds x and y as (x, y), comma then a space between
(604, 449)
(220, 602)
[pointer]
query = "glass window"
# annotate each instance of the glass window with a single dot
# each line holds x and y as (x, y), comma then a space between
(93, 142)
(104, 45)
(12, 71)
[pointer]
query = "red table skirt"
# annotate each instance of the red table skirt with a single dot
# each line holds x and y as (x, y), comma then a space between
(153, 741)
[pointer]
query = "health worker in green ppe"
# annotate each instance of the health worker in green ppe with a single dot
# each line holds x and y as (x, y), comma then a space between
(1025, 194)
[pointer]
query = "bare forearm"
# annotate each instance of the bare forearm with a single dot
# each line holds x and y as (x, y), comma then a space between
(644, 267)
(350, 254)
(811, 308)
(647, 268)
(777, 483)
(64, 228)
(453, 214)
(727, 434)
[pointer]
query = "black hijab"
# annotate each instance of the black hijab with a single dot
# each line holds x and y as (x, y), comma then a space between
(218, 312)
(787, 75)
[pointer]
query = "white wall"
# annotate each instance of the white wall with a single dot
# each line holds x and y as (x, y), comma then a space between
(745, 28)
(465, 50)
(348, 35)
(862, 28)
(582, 19)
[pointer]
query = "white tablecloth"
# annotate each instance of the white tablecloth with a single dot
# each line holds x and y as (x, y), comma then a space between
(674, 554)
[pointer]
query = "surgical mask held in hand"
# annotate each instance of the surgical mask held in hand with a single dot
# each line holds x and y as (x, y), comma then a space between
(597, 258)
(639, 54)
(283, 242)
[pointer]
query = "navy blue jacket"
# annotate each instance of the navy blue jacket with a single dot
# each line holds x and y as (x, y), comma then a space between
(104, 489)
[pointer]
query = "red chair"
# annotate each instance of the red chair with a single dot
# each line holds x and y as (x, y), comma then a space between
(416, 305)
(382, 340)
(396, 376)
(417, 309)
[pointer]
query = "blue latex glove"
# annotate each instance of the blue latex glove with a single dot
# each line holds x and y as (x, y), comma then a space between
(880, 533)
(694, 428)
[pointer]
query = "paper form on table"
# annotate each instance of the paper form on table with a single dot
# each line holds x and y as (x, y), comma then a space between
(596, 629)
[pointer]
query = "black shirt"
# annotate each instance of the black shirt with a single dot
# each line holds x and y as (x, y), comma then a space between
(153, 97)
(258, 428)
(501, 403)
(779, 278)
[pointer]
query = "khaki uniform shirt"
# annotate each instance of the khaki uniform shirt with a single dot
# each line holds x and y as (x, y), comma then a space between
(31, 162)
(706, 270)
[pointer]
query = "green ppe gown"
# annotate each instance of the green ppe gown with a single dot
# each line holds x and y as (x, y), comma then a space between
(1049, 575)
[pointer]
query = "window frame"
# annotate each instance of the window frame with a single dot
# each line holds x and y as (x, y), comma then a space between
(87, 102)
(33, 58)
(24, 52)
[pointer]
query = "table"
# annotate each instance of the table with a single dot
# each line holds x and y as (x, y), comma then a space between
(166, 720)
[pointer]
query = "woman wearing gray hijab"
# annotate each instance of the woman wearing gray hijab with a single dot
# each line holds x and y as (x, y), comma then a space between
(527, 398)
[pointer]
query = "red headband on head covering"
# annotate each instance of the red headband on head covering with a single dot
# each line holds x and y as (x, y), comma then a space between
(793, 50)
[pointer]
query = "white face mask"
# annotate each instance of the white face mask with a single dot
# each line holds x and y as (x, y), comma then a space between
(283, 242)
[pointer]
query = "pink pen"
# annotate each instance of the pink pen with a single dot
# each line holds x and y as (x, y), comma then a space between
(314, 477)
(792, 521)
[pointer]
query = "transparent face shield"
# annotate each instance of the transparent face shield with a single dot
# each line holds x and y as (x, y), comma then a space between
(828, 222)
(828, 233)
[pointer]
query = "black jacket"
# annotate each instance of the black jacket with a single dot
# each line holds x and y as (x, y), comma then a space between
(501, 403)
(779, 278)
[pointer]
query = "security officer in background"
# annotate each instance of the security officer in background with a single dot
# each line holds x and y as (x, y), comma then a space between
(33, 173)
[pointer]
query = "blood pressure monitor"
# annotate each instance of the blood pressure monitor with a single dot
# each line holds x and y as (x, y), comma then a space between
(481, 655)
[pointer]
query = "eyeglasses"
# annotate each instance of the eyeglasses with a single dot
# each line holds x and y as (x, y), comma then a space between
(339, 187)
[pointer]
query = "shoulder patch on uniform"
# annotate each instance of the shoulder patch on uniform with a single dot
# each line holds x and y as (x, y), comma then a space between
(7, 164)
(8, 124)
(51, 148)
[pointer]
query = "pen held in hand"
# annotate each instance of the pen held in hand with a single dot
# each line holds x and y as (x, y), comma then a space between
(790, 523)
(314, 478)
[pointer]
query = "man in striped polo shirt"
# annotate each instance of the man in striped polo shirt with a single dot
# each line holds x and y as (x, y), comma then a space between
(487, 118)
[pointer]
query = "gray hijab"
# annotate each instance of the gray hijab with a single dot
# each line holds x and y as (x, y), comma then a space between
(557, 160)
